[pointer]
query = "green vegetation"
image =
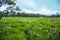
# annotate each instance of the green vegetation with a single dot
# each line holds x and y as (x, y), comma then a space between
(9, 2)
(29, 28)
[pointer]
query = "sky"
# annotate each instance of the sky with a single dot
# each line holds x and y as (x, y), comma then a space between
(46, 7)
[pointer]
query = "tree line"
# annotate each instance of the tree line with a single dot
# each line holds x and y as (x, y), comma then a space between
(17, 12)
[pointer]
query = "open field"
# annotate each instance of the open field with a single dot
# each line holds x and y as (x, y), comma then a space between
(29, 28)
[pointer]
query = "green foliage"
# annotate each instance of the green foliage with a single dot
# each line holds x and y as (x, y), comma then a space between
(29, 28)
(9, 2)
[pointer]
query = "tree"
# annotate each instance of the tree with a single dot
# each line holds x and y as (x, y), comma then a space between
(9, 2)
(1, 14)
(17, 8)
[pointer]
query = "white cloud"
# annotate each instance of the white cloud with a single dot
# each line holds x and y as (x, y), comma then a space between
(29, 11)
(32, 4)
(3, 7)
(47, 11)
(43, 10)
(29, 3)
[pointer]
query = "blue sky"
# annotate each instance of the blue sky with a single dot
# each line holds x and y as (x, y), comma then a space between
(46, 7)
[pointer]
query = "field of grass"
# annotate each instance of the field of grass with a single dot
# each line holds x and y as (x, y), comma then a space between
(29, 28)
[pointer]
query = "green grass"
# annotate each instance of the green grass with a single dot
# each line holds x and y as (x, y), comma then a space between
(29, 28)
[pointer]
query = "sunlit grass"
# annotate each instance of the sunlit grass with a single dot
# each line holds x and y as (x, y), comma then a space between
(29, 28)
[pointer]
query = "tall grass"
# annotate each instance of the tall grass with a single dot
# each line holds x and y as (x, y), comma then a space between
(29, 28)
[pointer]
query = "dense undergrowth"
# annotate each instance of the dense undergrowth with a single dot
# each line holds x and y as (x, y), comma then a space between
(29, 28)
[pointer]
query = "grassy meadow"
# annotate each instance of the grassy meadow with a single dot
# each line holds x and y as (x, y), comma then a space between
(29, 28)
